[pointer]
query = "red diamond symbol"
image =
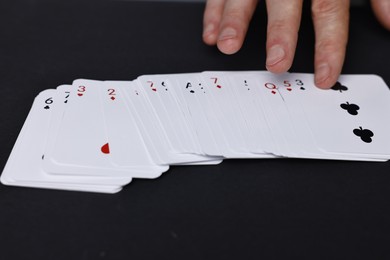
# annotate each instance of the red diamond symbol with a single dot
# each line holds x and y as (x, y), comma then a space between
(105, 148)
(273, 92)
(112, 98)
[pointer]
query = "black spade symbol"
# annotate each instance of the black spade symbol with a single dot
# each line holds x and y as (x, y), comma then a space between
(365, 134)
(46, 107)
(351, 108)
(302, 88)
(163, 84)
(339, 87)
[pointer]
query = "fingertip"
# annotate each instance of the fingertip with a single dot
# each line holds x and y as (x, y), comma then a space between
(275, 54)
(228, 41)
(324, 78)
(233, 25)
(210, 34)
(229, 46)
(327, 84)
(278, 68)
(277, 59)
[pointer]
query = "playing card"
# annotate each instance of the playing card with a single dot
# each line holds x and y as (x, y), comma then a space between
(190, 92)
(223, 116)
(244, 86)
(357, 122)
(160, 92)
(127, 148)
(24, 167)
(96, 136)
(79, 144)
(239, 137)
(153, 134)
(332, 118)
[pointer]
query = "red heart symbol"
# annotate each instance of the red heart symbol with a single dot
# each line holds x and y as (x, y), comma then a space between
(289, 89)
(105, 149)
(218, 86)
(154, 89)
(79, 94)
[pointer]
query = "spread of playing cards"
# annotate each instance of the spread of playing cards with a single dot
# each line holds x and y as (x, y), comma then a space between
(98, 135)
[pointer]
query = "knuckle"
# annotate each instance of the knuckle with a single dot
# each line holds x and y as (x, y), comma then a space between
(330, 46)
(325, 7)
(212, 15)
(282, 31)
(238, 16)
(211, 20)
(279, 26)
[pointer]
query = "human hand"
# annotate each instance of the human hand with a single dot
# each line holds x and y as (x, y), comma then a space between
(382, 11)
(226, 23)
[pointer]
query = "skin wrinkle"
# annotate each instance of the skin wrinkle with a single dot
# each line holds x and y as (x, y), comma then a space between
(324, 8)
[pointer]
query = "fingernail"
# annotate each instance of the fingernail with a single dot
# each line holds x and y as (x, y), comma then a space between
(227, 33)
(208, 29)
(322, 72)
(275, 54)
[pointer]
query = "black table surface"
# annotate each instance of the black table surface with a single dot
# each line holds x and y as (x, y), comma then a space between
(240, 209)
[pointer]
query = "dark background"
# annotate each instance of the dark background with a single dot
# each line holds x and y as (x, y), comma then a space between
(241, 209)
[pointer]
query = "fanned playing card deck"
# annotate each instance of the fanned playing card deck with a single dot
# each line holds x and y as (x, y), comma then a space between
(97, 135)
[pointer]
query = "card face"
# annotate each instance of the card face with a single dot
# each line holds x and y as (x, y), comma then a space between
(223, 116)
(211, 113)
(161, 96)
(127, 148)
(153, 134)
(80, 145)
(81, 138)
(95, 136)
(332, 118)
(353, 113)
(244, 88)
(277, 111)
(24, 167)
(189, 91)
(296, 132)
(248, 129)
